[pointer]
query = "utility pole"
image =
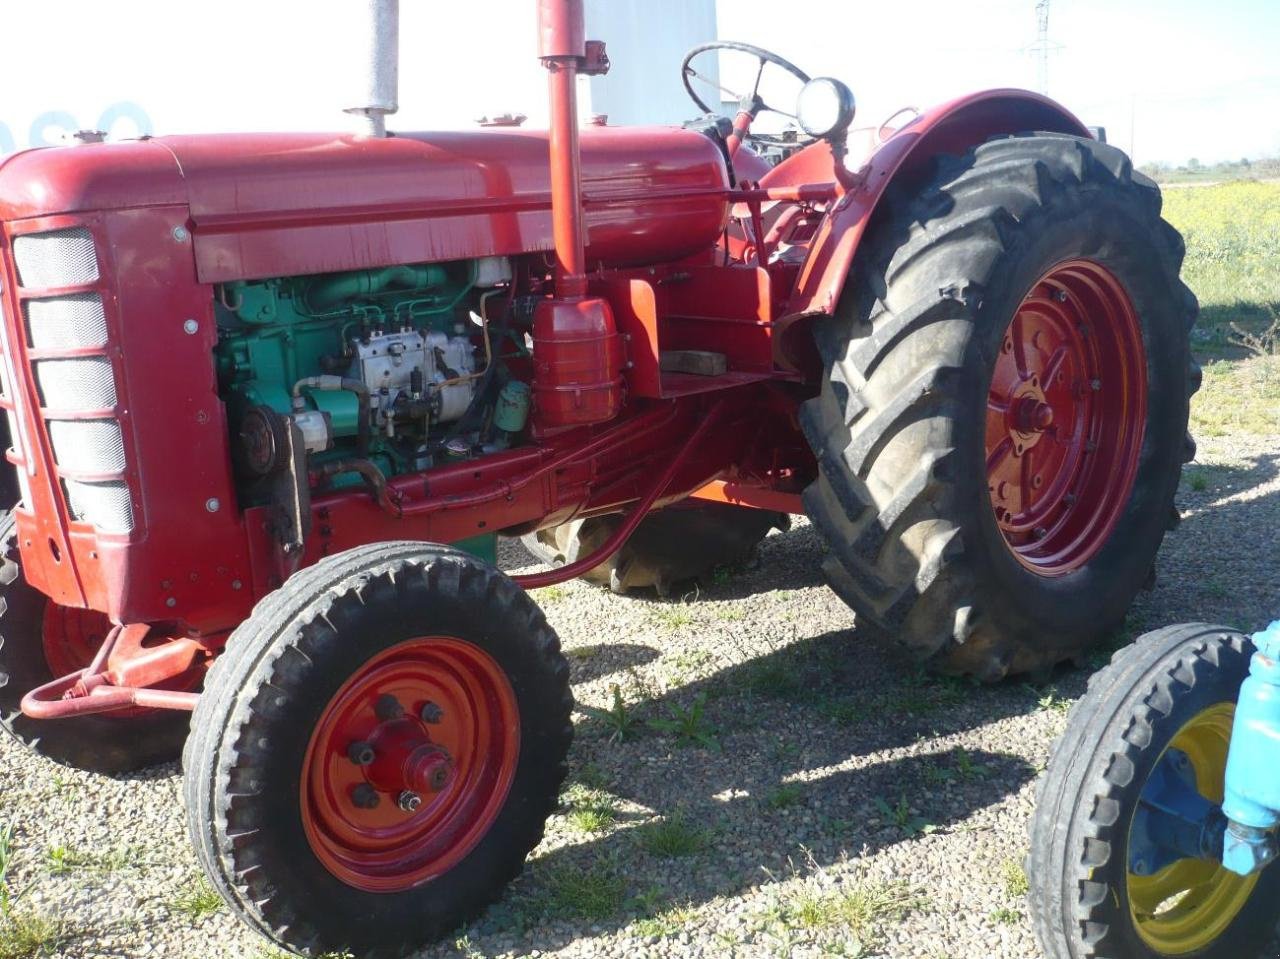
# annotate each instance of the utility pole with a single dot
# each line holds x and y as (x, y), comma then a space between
(1042, 46)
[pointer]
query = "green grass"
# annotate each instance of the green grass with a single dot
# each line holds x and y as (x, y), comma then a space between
(31, 936)
(673, 838)
(62, 860)
(859, 912)
(1237, 397)
(1005, 916)
(784, 796)
(590, 810)
(1232, 232)
(689, 725)
(197, 899)
(1015, 878)
(672, 615)
(619, 721)
(662, 924)
(571, 892)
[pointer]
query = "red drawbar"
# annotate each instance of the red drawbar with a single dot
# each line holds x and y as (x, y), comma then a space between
(1066, 413)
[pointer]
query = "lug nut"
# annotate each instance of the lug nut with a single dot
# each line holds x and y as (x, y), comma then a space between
(1039, 532)
(431, 713)
(388, 708)
(365, 796)
(409, 801)
(360, 753)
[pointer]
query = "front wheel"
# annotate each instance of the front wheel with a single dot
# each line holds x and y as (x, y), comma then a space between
(1003, 421)
(1152, 733)
(377, 750)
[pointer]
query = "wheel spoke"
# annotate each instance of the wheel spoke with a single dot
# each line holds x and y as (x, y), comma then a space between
(1054, 365)
(999, 454)
(1019, 345)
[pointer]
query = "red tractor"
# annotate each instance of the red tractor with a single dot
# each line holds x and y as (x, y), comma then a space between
(271, 398)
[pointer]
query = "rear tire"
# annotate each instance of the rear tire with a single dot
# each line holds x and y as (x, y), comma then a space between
(102, 743)
(901, 426)
(1173, 683)
(271, 784)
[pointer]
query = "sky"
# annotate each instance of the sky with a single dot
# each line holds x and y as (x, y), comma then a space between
(1169, 79)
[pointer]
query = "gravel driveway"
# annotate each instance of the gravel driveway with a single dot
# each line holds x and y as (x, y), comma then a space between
(773, 784)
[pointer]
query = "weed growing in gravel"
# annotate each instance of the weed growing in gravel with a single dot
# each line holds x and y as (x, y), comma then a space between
(1197, 480)
(901, 816)
(1005, 916)
(593, 777)
(6, 859)
(786, 795)
(1051, 702)
(549, 594)
(673, 838)
(590, 810)
(30, 936)
(62, 860)
(672, 615)
(858, 913)
(467, 949)
(664, 923)
(197, 899)
(842, 712)
(773, 678)
(571, 892)
(967, 768)
(618, 720)
(690, 725)
(1015, 878)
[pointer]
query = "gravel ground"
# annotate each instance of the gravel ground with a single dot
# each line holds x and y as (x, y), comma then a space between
(826, 798)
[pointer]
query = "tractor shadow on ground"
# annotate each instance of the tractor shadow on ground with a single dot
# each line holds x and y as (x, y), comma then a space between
(755, 782)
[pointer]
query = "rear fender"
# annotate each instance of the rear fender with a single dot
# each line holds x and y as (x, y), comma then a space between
(906, 154)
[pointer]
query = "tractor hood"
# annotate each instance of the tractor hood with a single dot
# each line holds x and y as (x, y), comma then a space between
(281, 204)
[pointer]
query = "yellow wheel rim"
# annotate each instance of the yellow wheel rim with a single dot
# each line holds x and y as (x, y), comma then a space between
(1187, 905)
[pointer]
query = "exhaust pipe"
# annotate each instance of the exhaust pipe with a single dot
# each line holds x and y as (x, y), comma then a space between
(376, 58)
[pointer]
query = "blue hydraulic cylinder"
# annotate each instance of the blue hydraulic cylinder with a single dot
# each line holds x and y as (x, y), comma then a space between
(1251, 796)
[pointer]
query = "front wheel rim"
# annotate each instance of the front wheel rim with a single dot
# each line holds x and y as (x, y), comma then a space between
(1066, 416)
(442, 724)
(1188, 905)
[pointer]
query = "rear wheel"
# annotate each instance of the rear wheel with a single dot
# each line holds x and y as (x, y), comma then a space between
(685, 541)
(377, 750)
(1003, 420)
(40, 641)
(1152, 733)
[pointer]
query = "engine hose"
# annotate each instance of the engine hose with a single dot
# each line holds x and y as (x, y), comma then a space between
(363, 402)
(371, 474)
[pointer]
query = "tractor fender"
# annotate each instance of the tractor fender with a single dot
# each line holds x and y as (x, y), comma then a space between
(950, 128)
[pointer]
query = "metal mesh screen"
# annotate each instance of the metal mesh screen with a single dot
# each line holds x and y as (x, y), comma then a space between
(66, 322)
(87, 446)
(73, 385)
(105, 505)
(57, 258)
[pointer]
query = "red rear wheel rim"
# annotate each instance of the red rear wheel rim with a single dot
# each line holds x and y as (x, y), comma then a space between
(1066, 414)
(442, 722)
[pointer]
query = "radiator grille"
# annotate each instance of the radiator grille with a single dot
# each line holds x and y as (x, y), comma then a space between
(56, 258)
(66, 322)
(106, 505)
(76, 385)
(87, 446)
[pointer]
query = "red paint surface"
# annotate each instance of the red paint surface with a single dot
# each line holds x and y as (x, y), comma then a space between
(1065, 417)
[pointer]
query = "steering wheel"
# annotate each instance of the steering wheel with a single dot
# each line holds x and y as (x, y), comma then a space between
(751, 104)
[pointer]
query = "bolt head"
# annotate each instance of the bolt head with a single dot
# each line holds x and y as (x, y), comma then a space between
(1039, 532)
(1095, 385)
(431, 713)
(212, 504)
(361, 753)
(388, 708)
(409, 801)
(365, 796)
(190, 327)
(171, 602)
(180, 234)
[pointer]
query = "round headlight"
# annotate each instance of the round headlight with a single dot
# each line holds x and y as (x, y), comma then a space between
(825, 107)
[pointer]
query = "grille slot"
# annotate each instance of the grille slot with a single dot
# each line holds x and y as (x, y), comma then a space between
(56, 258)
(66, 322)
(106, 505)
(76, 385)
(87, 446)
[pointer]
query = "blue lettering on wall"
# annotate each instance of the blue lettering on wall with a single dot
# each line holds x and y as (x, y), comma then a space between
(119, 120)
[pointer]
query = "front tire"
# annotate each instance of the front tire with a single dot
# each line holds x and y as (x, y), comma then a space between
(377, 750)
(1174, 689)
(1003, 420)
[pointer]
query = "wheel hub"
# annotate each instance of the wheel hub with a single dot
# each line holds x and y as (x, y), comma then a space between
(1066, 412)
(409, 764)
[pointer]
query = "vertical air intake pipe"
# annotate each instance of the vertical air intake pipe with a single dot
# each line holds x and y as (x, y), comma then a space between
(577, 354)
(376, 60)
